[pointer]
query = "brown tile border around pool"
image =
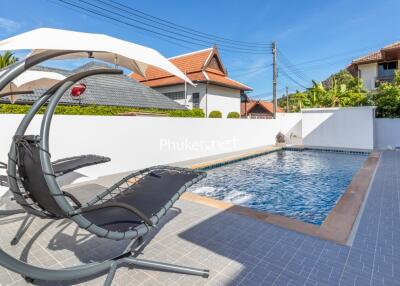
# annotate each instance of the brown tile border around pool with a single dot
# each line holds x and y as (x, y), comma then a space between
(336, 227)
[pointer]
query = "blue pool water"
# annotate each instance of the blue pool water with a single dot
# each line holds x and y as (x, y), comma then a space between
(304, 185)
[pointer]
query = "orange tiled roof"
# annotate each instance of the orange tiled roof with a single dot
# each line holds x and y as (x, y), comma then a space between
(395, 45)
(372, 57)
(169, 80)
(226, 81)
(267, 105)
(377, 55)
(195, 65)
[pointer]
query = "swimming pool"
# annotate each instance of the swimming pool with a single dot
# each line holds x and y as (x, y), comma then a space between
(303, 185)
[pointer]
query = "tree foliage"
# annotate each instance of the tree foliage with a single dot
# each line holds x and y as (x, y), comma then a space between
(339, 90)
(6, 59)
(387, 98)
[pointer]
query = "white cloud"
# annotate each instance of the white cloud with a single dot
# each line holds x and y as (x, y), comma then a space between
(8, 26)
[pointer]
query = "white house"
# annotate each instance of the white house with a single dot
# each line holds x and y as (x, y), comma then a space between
(214, 90)
(378, 66)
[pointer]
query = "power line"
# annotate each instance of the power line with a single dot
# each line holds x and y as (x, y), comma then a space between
(119, 24)
(287, 76)
(167, 30)
(266, 94)
(322, 64)
(294, 73)
(352, 52)
(188, 30)
(250, 70)
(293, 68)
(175, 36)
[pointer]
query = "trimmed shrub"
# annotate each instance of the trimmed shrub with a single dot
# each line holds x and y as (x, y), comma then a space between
(215, 114)
(195, 112)
(198, 112)
(233, 114)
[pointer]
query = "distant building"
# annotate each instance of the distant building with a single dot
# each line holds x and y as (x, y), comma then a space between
(378, 66)
(214, 90)
(258, 109)
(107, 90)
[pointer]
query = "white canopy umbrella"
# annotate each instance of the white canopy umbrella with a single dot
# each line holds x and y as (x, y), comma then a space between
(28, 81)
(129, 55)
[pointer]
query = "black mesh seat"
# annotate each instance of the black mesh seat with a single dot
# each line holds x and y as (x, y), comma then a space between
(151, 193)
(134, 200)
(155, 190)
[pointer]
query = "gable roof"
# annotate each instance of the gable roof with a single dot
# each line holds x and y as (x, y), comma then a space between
(199, 66)
(109, 90)
(245, 108)
(378, 56)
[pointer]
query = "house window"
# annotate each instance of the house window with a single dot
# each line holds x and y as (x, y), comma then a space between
(386, 70)
(176, 95)
(196, 100)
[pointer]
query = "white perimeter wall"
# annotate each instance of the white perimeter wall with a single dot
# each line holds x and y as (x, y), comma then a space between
(137, 142)
(339, 127)
(387, 134)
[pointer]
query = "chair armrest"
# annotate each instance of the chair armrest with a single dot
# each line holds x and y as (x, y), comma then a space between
(70, 164)
(118, 205)
(75, 200)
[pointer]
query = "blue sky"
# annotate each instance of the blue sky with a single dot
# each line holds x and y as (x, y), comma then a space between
(319, 37)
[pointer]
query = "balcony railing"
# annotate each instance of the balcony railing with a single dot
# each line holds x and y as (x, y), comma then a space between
(383, 78)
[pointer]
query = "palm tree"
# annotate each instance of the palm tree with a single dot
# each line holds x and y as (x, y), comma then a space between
(316, 94)
(7, 59)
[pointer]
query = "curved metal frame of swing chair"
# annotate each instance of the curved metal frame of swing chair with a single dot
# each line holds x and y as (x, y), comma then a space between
(78, 162)
(136, 234)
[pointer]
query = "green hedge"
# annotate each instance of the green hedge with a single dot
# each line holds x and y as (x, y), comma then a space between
(99, 110)
(233, 114)
(215, 114)
(196, 112)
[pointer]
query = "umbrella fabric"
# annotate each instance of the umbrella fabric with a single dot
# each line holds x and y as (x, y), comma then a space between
(30, 80)
(119, 52)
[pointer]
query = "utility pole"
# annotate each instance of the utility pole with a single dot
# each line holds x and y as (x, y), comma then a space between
(275, 102)
(185, 91)
(287, 99)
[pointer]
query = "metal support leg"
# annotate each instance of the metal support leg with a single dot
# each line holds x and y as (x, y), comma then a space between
(111, 274)
(11, 212)
(166, 267)
(22, 229)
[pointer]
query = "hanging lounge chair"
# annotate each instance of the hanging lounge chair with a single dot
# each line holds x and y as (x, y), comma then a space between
(64, 166)
(129, 209)
(61, 167)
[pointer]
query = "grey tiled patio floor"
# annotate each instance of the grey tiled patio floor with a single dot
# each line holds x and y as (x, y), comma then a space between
(238, 250)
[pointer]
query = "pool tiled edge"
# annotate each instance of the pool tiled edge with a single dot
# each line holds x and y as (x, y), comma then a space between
(264, 151)
(340, 221)
(337, 226)
(236, 158)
